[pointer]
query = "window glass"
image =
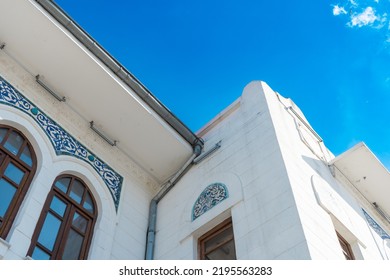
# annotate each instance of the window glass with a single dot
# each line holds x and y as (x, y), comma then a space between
(7, 192)
(14, 142)
(49, 231)
(26, 156)
(58, 206)
(65, 227)
(77, 191)
(219, 239)
(39, 254)
(14, 173)
(63, 184)
(218, 243)
(225, 252)
(80, 222)
(88, 204)
(73, 246)
(3, 132)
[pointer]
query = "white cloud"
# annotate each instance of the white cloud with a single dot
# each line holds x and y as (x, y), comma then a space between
(373, 14)
(382, 21)
(338, 10)
(354, 3)
(367, 17)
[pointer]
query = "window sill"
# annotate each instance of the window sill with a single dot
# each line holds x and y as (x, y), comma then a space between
(4, 246)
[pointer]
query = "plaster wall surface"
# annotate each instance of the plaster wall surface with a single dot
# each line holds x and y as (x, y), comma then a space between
(119, 233)
(261, 203)
(325, 204)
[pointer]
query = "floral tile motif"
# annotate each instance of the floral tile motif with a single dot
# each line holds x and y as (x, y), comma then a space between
(211, 196)
(63, 143)
(377, 228)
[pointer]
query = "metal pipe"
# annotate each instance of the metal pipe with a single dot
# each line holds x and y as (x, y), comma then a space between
(207, 153)
(381, 211)
(102, 135)
(151, 234)
(49, 90)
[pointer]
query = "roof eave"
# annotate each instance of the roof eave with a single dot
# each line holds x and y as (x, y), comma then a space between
(120, 71)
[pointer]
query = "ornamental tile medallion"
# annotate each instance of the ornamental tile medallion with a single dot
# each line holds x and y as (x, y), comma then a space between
(63, 143)
(374, 225)
(211, 196)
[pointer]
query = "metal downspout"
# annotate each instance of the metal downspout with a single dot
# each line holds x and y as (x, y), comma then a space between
(123, 74)
(151, 234)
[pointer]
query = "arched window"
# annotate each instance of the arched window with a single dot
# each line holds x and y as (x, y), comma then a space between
(65, 227)
(17, 168)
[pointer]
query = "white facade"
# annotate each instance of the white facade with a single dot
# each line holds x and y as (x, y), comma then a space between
(286, 194)
(286, 204)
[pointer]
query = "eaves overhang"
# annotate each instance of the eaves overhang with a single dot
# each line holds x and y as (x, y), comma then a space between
(369, 176)
(44, 41)
(119, 70)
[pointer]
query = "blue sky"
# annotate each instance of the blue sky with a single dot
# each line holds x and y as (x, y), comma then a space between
(332, 58)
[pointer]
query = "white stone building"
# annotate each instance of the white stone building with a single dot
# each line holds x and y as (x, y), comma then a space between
(93, 166)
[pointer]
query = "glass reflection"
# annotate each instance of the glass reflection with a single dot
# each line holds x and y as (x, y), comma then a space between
(73, 246)
(58, 206)
(3, 131)
(225, 252)
(49, 231)
(77, 191)
(26, 156)
(14, 173)
(7, 192)
(80, 222)
(221, 238)
(63, 184)
(88, 204)
(14, 142)
(39, 254)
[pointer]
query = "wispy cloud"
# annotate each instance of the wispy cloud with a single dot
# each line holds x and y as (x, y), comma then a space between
(364, 13)
(354, 3)
(367, 17)
(337, 10)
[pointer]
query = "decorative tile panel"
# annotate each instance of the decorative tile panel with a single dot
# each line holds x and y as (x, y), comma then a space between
(63, 143)
(211, 196)
(377, 228)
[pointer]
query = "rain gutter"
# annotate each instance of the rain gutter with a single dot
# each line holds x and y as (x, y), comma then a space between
(119, 70)
(196, 158)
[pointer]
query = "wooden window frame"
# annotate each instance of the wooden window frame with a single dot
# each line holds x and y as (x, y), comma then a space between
(24, 185)
(211, 234)
(345, 247)
(66, 220)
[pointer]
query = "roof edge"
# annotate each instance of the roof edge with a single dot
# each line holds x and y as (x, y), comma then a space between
(120, 71)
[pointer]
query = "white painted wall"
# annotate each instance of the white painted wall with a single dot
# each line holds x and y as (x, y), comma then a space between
(287, 204)
(265, 219)
(324, 203)
(117, 235)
